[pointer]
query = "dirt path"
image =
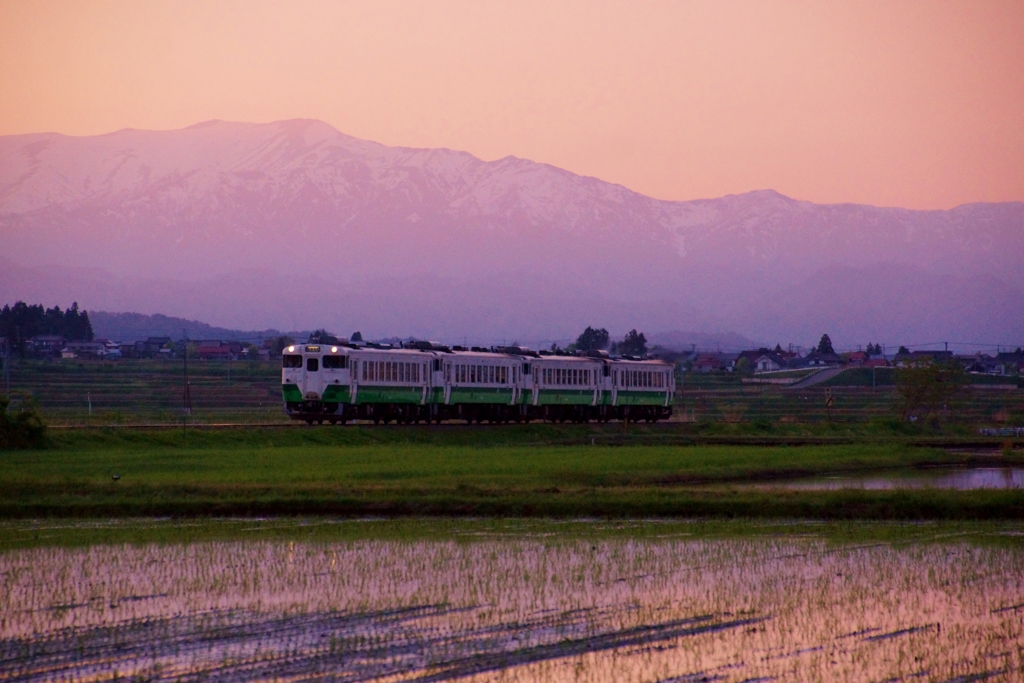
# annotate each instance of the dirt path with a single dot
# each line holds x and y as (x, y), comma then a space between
(816, 378)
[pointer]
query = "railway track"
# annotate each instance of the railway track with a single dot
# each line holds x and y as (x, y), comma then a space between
(592, 434)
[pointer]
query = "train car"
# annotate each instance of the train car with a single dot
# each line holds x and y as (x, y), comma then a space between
(641, 389)
(393, 384)
(479, 386)
(315, 381)
(565, 388)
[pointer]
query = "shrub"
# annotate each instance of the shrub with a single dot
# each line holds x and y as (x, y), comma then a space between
(21, 427)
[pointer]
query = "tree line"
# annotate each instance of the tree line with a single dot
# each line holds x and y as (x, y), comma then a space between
(21, 322)
(598, 339)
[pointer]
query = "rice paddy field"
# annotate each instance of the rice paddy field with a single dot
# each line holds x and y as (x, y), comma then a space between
(516, 600)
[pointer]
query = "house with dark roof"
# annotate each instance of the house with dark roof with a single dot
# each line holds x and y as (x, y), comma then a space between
(713, 362)
(46, 345)
(918, 357)
(814, 359)
(1011, 362)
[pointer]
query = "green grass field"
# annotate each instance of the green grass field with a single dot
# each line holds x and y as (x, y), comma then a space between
(469, 472)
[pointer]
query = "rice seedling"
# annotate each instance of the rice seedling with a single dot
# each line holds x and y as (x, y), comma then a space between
(520, 601)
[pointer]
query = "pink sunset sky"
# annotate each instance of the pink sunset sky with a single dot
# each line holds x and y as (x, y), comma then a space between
(913, 104)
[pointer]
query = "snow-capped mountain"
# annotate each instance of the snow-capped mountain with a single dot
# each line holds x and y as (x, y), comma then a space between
(293, 224)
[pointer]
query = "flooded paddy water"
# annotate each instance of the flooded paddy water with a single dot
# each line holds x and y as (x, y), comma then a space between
(955, 478)
(531, 602)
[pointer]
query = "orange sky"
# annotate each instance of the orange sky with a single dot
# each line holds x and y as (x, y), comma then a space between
(915, 104)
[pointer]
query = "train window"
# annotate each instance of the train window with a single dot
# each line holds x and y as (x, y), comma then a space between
(334, 362)
(292, 361)
(401, 372)
(607, 370)
(437, 365)
(312, 364)
(490, 374)
(526, 368)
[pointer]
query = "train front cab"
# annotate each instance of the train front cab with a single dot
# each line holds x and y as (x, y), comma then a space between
(315, 382)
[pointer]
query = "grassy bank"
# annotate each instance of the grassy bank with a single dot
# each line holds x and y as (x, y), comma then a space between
(18, 534)
(541, 470)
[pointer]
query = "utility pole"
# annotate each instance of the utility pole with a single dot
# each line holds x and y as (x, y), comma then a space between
(187, 394)
(7, 367)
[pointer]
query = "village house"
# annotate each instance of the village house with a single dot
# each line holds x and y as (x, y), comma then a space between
(46, 345)
(814, 359)
(218, 350)
(714, 362)
(918, 357)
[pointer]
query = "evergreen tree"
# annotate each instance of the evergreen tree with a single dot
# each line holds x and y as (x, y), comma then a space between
(825, 345)
(357, 336)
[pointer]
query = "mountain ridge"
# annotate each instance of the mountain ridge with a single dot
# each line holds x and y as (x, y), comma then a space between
(299, 198)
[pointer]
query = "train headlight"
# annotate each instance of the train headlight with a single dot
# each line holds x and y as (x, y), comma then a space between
(334, 349)
(290, 349)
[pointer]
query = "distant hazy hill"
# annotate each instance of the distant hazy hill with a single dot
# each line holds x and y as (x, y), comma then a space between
(294, 225)
(135, 326)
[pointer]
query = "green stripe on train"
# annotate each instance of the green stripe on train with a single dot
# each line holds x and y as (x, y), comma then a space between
(641, 398)
(566, 397)
(480, 395)
(291, 392)
(381, 394)
(337, 393)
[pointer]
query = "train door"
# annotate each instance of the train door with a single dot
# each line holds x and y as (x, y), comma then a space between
(353, 378)
(447, 383)
(311, 376)
(534, 382)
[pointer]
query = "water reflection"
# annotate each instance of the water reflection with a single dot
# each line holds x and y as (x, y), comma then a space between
(514, 609)
(959, 479)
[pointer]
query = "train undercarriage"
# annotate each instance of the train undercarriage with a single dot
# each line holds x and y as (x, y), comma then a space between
(320, 412)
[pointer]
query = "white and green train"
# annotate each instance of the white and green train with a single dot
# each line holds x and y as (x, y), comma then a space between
(339, 383)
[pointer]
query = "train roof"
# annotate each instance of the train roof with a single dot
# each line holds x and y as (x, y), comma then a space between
(641, 361)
